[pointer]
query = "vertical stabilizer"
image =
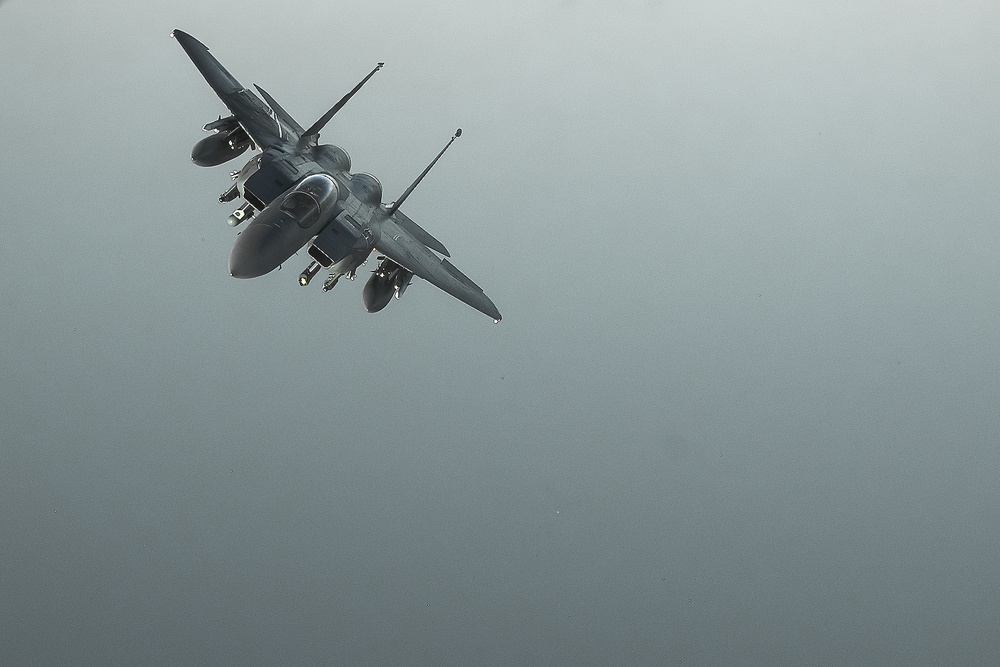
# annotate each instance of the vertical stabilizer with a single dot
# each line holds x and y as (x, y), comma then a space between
(396, 204)
(276, 108)
(311, 136)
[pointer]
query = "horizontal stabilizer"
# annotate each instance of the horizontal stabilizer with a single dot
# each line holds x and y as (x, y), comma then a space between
(271, 102)
(404, 249)
(420, 233)
(453, 270)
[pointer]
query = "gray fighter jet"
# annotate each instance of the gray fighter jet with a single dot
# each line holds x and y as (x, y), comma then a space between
(299, 193)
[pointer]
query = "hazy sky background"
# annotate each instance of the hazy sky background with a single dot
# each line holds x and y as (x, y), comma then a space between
(743, 408)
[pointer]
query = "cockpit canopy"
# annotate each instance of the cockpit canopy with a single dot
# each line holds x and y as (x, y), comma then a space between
(314, 197)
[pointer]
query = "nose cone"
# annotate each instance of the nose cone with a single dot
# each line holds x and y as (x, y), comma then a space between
(258, 250)
(273, 236)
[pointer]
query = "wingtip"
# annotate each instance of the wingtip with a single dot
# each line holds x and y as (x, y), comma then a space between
(186, 40)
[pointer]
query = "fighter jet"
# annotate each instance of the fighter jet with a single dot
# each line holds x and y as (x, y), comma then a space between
(300, 193)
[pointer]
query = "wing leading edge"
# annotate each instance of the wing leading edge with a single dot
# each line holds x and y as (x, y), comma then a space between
(265, 126)
(400, 246)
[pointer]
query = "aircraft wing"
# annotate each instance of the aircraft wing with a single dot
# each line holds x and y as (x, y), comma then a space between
(402, 247)
(265, 126)
(420, 233)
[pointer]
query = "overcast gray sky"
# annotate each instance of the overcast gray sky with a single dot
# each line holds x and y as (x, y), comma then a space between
(743, 408)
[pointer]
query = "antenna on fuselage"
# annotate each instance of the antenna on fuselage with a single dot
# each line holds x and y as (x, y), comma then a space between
(399, 202)
(311, 135)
